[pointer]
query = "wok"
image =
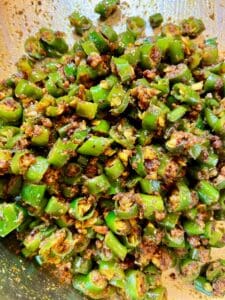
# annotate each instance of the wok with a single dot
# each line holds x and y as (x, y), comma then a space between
(20, 279)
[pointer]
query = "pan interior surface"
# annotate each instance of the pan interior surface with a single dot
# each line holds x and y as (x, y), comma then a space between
(20, 279)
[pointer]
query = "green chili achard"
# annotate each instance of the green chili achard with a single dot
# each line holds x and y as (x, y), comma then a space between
(112, 155)
(12, 216)
(136, 25)
(106, 7)
(79, 22)
(156, 20)
(10, 110)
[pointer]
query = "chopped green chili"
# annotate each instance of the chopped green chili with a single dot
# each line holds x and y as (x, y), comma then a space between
(112, 155)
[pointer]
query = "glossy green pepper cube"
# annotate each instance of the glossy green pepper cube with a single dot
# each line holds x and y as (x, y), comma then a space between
(86, 109)
(33, 194)
(61, 152)
(151, 204)
(12, 215)
(208, 194)
(40, 136)
(56, 207)
(106, 7)
(81, 209)
(124, 69)
(150, 55)
(98, 184)
(37, 170)
(25, 88)
(114, 168)
(94, 146)
(10, 110)
(101, 126)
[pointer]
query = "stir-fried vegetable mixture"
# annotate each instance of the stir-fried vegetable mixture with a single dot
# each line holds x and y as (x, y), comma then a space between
(112, 156)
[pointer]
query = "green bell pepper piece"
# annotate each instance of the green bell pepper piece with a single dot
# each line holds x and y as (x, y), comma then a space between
(53, 41)
(135, 284)
(99, 94)
(123, 68)
(114, 168)
(203, 286)
(175, 51)
(113, 273)
(109, 33)
(210, 53)
(106, 7)
(94, 146)
(174, 240)
(213, 82)
(171, 30)
(138, 163)
(151, 118)
(185, 94)
(37, 170)
(136, 25)
(98, 184)
(163, 42)
(177, 113)
(118, 99)
(12, 216)
(190, 269)
(115, 246)
(85, 73)
(129, 211)
(117, 225)
(80, 22)
(33, 194)
(82, 265)
(18, 163)
(192, 27)
(89, 47)
(124, 134)
(61, 152)
(181, 198)
(34, 238)
(51, 249)
(170, 221)
(214, 232)
(208, 194)
(55, 207)
(156, 20)
(179, 73)
(10, 110)
(25, 88)
(151, 204)
(99, 41)
(101, 126)
(150, 55)
(125, 39)
(93, 284)
(86, 109)
(34, 48)
(54, 84)
(70, 70)
(149, 186)
(40, 136)
(193, 228)
(81, 209)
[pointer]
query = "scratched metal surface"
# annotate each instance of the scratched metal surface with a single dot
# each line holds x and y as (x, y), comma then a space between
(21, 18)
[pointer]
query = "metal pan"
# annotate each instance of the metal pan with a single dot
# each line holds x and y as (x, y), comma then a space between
(20, 18)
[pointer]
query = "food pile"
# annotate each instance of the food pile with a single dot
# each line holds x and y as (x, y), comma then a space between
(112, 155)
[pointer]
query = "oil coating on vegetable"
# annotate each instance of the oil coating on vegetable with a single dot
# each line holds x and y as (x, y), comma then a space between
(112, 155)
